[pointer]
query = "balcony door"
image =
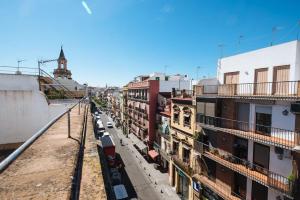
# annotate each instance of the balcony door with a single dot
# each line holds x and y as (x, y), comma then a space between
(280, 80)
(231, 79)
(261, 157)
(260, 81)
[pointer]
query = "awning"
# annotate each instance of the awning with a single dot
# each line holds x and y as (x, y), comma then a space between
(153, 154)
(141, 146)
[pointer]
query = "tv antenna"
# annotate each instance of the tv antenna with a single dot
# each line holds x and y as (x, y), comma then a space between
(18, 69)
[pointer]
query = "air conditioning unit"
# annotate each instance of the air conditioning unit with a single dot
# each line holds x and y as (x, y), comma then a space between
(295, 107)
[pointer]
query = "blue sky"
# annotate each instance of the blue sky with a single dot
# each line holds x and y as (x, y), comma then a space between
(120, 39)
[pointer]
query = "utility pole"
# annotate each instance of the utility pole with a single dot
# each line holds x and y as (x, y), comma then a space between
(274, 30)
(239, 41)
(198, 68)
(298, 30)
(221, 46)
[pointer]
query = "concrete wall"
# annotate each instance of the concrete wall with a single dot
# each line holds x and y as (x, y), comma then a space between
(246, 63)
(166, 86)
(24, 109)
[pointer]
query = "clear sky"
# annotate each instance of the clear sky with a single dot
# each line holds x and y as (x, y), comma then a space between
(111, 41)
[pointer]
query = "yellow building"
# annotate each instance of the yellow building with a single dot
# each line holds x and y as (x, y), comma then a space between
(183, 120)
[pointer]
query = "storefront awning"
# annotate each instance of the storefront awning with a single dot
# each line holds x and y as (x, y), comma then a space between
(141, 146)
(153, 154)
(137, 142)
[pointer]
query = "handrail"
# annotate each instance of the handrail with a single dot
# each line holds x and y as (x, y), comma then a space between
(268, 134)
(264, 176)
(42, 71)
(14, 155)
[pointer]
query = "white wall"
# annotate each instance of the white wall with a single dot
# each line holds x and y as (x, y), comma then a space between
(24, 109)
(246, 63)
(166, 86)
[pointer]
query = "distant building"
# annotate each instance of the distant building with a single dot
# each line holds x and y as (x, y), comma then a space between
(142, 103)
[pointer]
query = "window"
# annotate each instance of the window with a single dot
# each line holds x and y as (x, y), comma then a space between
(175, 148)
(166, 78)
(186, 155)
(263, 123)
(157, 78)
(176, 111)
(261, 157)
(187, 116)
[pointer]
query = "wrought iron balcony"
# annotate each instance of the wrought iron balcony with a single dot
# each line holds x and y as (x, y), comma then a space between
(248, 169)
(183, 164)
(260, 133)
(268, 90)
(223, 192)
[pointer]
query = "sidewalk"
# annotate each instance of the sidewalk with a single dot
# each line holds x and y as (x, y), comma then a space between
(158, 179)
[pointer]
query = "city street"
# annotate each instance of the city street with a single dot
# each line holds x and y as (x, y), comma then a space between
(142, 181)
(137, 184)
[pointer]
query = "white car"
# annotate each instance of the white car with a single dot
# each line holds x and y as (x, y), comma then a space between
(105, 134)
(109, 125)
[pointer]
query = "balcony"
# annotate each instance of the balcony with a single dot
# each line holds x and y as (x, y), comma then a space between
(263, 134)
(267, 90)
(217, 188)
(138, 98)
(183, 164)
(248, 169)
(182, 94)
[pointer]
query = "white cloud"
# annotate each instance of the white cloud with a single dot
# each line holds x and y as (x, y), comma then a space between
(86, 7)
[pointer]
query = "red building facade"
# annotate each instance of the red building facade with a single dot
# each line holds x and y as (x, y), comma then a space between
(142, 103)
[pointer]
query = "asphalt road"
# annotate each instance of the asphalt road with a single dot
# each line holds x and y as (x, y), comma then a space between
(136, 182)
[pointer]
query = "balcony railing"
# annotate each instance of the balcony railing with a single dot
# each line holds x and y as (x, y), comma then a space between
(248, 169)
(222, 191)
(138, 98)
(201, 90)
(283, 89)
(183, 93)
(183, 164)
(260, 133)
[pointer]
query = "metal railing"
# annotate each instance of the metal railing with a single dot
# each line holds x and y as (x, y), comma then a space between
(14, 155)
(19, 70)
(56, 85)
(183, 93)
(278, 89)
(266, 134)
(182, 163)
(264, 89)
(248, 169)
(200, 90)
(211, 183)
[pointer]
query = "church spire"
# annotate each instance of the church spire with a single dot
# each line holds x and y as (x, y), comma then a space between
(61, 54)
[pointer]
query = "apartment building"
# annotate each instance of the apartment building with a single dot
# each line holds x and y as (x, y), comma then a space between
(162, 139)
(142, 103)
(249, 124)
(183, 117)
(124, 110)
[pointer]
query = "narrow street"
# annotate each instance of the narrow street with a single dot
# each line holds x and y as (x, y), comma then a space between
(138, 185)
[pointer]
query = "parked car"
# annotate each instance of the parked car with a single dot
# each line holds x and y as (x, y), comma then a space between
(109, 125)
(116, 178)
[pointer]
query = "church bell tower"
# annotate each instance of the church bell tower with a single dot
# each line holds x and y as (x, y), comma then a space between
(62, 70)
